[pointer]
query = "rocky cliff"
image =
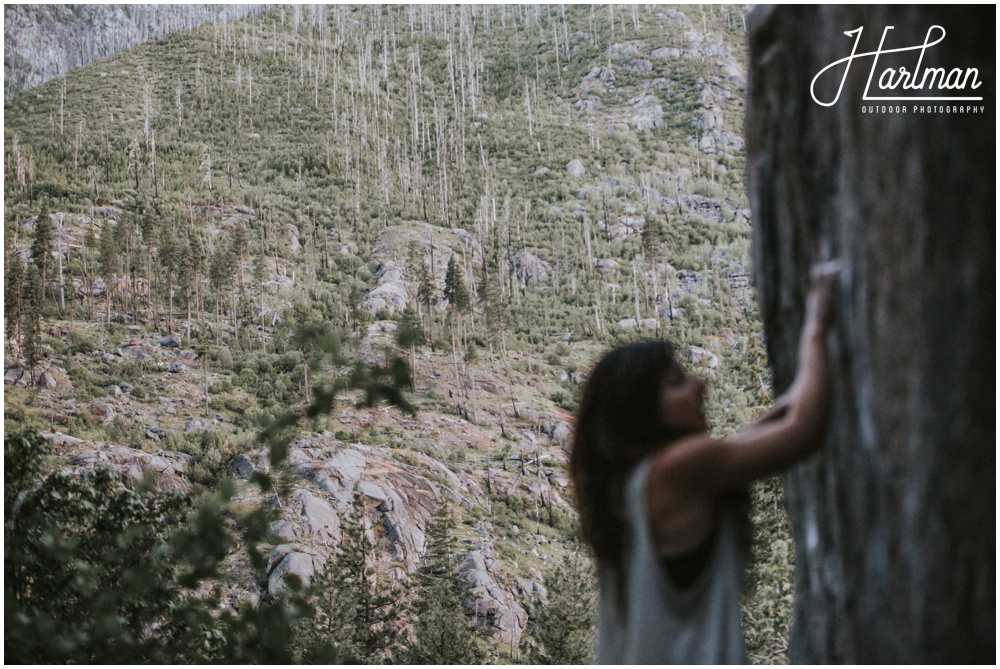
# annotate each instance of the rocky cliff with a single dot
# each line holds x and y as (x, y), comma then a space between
(46, 41)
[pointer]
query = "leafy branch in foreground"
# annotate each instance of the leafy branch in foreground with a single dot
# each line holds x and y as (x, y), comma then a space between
(95, 571)
(377, 383)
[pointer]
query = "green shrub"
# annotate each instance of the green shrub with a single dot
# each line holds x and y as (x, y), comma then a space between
(97, 573)
(79, 343)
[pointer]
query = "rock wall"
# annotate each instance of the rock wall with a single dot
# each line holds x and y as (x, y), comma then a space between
(45, 41)
(895, 521)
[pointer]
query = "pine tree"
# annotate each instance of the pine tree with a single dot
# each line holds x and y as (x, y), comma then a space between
(13, 298)
(169, 253)
(459, 304)
(408, 333)
(149, 226)
(193, 264)
(107, 260)
(443, 635)
(87, 254)
(425, 288)
(455, 290)
(221, 271)
(32, 340)
(41, 246)
(562, 632)
(652, 235)
(356, 608)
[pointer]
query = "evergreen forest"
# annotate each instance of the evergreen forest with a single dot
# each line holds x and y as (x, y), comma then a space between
(298, 308)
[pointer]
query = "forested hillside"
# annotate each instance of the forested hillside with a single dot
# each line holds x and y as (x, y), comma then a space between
(294, 211)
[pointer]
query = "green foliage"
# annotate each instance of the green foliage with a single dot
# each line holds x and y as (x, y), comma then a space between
(84, 572)
(211, 452)
(32, 327)
(455, 290)
(562, 630)
(95, 572)
(442, 633)
(13, 298)
(408, 332)
(768, 595)
(41, 244)
(355, 607)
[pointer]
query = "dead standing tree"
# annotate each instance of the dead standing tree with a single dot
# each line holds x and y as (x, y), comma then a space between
(894, 522)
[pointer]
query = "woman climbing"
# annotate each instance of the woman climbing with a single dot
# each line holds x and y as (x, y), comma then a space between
(665, 505)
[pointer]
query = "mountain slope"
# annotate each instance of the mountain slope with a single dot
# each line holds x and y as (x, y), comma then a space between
(582, 167)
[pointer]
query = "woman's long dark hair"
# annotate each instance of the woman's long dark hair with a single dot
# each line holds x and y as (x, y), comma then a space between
(618, 424)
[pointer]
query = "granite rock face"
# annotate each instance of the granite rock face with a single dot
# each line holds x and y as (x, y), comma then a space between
(165, 467)
(43, 41)
(894, 520)
(494, 606)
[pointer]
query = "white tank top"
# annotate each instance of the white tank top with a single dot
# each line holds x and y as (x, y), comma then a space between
(664, 624)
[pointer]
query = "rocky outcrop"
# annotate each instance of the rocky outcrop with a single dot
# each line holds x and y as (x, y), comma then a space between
(402, 498)
(292, 235)
(47, 375)
(493, 606)
(288, 559)
(714, 138)
(165, 467)
(387, 298)
(894, 522)
(529, 268)
(702, 358)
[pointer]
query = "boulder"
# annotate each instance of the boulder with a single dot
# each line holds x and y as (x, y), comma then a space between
(575, 168)
(369, 489)
(666, 52)
(346, 463)
(240, 467)
(172, 340)
(17, 376)
(102, 412)
(292, 235)
(322, 523)
(639, 66)
(139, 352)
(288, 559)
(388, 272)
(530, 268)
(194, 424)
(560, 432)
(701, 357)
(626, 50)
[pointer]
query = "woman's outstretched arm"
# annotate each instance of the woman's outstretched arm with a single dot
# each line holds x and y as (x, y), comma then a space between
(795, 425)
(684, 479)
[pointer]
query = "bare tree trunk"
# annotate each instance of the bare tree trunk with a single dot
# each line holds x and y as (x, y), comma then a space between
(894, 521)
